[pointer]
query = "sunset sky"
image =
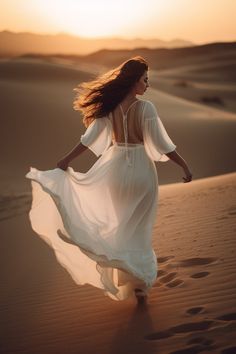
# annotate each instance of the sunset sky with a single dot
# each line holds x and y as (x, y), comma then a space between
(199, 21)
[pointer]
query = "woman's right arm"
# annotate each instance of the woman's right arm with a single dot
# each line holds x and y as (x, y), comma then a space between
(76, 151)
(97, 138)
(174, 156)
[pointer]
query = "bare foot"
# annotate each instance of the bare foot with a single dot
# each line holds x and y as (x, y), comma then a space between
(141, 296)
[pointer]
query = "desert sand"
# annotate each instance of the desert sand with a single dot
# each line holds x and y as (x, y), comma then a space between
(192, 307)
(192, 304)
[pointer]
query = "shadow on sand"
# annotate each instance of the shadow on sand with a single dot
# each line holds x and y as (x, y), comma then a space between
(130, 338)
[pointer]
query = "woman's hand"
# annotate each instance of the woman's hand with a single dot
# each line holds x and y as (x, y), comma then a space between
(63, 164)
(188, 175)
(174, 156)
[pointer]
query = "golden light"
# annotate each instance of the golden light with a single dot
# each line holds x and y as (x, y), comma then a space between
(92, 18)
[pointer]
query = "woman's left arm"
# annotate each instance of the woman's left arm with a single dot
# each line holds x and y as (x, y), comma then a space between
(178, 159)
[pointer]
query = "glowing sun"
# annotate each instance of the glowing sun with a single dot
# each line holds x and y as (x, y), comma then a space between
(92, 18)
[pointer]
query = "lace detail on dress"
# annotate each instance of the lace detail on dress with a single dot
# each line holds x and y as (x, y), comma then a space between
(126, 139)
(125, 127)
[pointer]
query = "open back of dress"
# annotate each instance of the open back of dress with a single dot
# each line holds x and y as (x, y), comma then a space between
(130, 121)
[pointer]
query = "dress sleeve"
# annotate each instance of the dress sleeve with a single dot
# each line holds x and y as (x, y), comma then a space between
(156, 139)
(98, 135)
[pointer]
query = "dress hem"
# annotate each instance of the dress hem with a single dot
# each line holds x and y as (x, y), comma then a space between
(102, 260)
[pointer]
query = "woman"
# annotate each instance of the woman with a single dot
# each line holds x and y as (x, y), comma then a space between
(100, 223)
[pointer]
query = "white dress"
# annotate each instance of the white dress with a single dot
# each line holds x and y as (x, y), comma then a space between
(100, 223)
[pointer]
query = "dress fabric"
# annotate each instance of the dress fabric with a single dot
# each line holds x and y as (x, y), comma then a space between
(100, 223)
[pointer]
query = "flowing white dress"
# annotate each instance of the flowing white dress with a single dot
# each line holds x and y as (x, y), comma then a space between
(100, 223)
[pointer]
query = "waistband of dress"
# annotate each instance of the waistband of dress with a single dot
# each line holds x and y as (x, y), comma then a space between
(128, 145)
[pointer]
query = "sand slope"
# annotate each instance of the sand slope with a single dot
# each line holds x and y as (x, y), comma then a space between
(192, 304)
(199, 83)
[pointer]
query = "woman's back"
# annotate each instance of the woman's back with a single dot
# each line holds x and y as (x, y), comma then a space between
(134, 117)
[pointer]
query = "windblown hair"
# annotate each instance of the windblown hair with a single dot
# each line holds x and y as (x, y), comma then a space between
(97, 98)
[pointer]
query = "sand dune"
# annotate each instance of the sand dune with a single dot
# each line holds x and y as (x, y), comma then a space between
(191, 308)
(162, 58)
(12, 43)
(212, 86)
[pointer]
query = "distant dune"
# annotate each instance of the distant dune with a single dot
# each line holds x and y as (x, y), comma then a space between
(162, 58)
(12, 44)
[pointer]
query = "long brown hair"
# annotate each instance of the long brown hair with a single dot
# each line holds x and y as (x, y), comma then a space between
(99, 97)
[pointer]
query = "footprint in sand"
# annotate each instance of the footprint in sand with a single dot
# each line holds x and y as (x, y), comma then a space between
(169, 281)
(227, 317)
(159, 335)
(167, 278)
(161, 272)
(195, 310)
(193, 326)
(183, 328)
(164, 259)
(175, 283)
(190, 262)
(199, 275)
(232, 210)
(201, 340)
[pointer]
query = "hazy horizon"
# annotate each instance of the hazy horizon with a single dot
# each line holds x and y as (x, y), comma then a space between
(89, 38)
(110, 37)
(189, 20)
